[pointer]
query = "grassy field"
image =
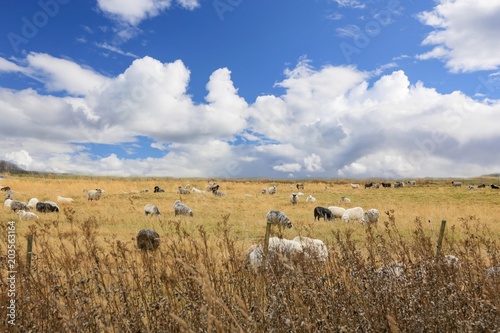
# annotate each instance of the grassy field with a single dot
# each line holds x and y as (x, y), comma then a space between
(86, 269)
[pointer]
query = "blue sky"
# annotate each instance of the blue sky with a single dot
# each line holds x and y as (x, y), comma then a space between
(237, 88)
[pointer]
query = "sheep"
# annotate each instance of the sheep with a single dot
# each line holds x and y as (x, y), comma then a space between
(151, 209)
(354, 185)
(7, 202)
(181, 209)
(399, 184)
(300, 186)
(344, 200)
(494, 187)
(294, 198)
(263, 191)
(370, 216)
(18, 205)
(197, 191)
(313, 247)
(481, 185)
(411, 182)
(285, 248)
(24, 215)
(32, 203)
(300, 194)
(218, 193)
(272, 190)
(148, 239)
(278, 218)
(310, 198)
(337, 212)
(322, 212)
(64, 199)
(472, 188)
(356, 213)
(183, 190)
(55, 207)
(45, 207)
(456, 184)
(5, 188)
(94, 194)
(212, 187)
(158, 189)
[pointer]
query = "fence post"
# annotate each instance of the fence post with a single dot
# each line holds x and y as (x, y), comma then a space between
(441, 236)
(266, 243)
(28, 253)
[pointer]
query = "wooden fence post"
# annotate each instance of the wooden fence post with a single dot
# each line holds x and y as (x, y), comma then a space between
(28, 253)
(441, 236)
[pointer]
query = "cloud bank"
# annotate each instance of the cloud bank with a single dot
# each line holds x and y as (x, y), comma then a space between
(335, 121)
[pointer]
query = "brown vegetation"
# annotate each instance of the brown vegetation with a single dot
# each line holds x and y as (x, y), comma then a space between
(87, 274)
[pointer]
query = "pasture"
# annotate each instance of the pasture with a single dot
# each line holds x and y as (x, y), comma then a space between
(86, 271)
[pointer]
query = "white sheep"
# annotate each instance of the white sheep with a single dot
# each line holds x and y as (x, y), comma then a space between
(337, 212)
(356, 213)
(344, 200)
(32, 203)
(181, 209)
(24, 215)
(294, 199)
(284, 248)
(313, 247)
(151, 209)
(263, 191)
(184, 190)
(7, 202)
(370, 216)
(310, 198)
(197, 191)
(64, 199)
(94, 194)
(354, 185)
(272, 190)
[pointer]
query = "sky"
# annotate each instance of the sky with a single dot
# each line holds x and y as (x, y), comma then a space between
(291, 89)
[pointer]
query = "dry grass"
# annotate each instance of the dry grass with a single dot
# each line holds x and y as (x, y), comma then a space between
(87, 274)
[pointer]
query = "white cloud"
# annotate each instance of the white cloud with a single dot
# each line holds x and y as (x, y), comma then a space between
(465, 34)
(350, 3)
(328, 121)
(134, 11)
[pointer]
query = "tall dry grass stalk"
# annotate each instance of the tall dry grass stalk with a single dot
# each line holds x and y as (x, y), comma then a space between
(87, 274)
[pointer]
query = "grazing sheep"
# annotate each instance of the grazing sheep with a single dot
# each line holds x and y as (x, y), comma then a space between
(147, 240)
(94, 194)
(263, 191)
(399, 184)
(337, 212)
(370, 216)
(64, 199)
(472, 188)
(313, 247)
(411, 182)
(386, 184)
(278, 218)
(181, 209)
(345, 200)
(272, 190)
(197, 191)
(184, 190)
(55, 207)
(481, 185)
(354, 185)
(368, 185)
(18, 205)
(151, 209)
(32, 203)
(300, 194)
(278, 248)
(24, 215)
(212, 187)
(158, 189)
(456, 184)
(322, 212)
(7, 202)
(310, 198)
(5, 188)
(218, 193)
(356, 213)
(300, 186)
(495, 187)
(45, 207)
(294, 199)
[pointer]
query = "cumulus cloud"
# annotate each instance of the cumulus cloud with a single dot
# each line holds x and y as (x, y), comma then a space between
(134, 11)
(335, 120)
(465, 34)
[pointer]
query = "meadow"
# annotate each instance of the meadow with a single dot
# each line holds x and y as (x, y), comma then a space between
(87, 275)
